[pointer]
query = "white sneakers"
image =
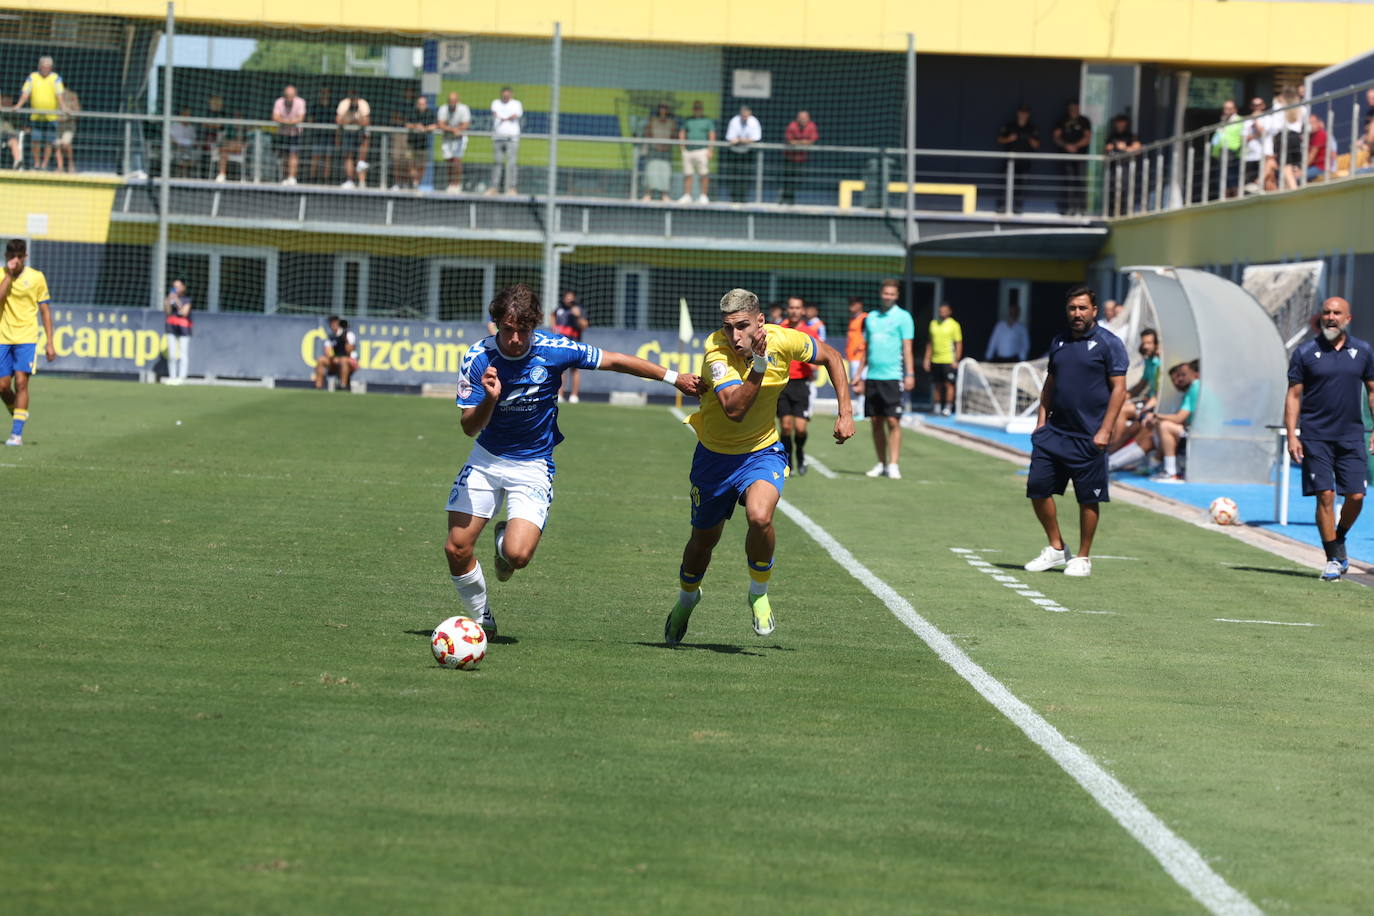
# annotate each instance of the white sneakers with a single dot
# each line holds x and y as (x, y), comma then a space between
(1078, 566)
(1051, 557)
(893, 472)
(884, 470)
(685, 199)
(286, 181)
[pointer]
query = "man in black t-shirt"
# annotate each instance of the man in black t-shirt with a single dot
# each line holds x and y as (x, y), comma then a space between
(1019, 136)
(1072, 135)
(420, 124)
(1120, 142)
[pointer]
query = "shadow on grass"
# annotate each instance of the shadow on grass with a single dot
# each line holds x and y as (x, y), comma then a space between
(492, 640)
(1299, 573)
(722, 648)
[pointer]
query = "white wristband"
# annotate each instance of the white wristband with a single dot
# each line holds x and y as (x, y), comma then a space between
(760, 364)
(670, 376)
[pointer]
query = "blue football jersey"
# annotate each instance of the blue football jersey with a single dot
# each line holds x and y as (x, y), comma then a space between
(524, 424)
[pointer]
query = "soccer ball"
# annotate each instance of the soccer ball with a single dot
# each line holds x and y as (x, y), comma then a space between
(459, 643)
(1224, 511)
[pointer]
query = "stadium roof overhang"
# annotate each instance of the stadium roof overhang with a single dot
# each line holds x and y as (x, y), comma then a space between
(1071, 243)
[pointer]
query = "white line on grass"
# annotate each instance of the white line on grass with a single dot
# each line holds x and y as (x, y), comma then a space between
(999, 575)
(1180, 860)
(821, 469)
(1272, 623)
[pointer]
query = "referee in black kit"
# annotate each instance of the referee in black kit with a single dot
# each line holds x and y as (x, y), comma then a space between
(1085, 386)
(1325, 375)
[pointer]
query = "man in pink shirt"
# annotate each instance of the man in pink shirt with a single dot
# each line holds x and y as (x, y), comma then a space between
(800, 135)
(289, 111)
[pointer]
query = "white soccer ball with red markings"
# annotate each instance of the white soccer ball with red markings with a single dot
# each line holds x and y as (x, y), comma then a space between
(1224, 511)
(459, 642)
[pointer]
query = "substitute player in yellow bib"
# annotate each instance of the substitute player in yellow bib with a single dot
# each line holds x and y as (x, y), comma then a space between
(738, 459)
(23, 297)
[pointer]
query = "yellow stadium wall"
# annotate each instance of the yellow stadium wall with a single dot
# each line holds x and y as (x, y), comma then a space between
(1256, 230)
(1180, 31)
(67, 209)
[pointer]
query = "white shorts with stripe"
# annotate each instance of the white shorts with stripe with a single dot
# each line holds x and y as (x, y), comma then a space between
(526, 487)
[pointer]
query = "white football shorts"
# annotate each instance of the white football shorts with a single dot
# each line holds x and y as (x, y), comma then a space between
(486, 480)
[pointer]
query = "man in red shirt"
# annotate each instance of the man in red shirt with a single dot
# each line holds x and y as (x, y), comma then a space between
(794, 405)
(800, 135)
(1316, 148)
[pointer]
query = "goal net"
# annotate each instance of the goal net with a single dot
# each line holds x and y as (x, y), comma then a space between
(1006, 395)
(1290, 293)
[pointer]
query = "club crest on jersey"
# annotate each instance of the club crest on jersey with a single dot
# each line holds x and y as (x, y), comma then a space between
(1353, 353)
(538, 374)
(1091, 344)
(464, 386)
(718, 371)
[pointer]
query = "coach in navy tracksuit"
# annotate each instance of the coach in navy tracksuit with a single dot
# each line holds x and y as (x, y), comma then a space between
(1085, 386)
(1325, 376)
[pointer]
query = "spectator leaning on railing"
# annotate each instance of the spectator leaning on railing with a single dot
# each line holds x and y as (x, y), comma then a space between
(1320, 149)
(454, 120)
(43, 92)
(800, 135)
(698, 132)
(1289, 126)
(10, 135)
(1019, 136)
(743, 131)
(421, 125)
(1072, 135)
(66, 128)
(354, 118)
(1120, 142)
(658, 157)
(506, 113)
(1227, 137)
(289, 111)
(1254, 134)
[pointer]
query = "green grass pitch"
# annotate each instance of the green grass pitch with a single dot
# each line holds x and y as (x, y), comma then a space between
(218, 693)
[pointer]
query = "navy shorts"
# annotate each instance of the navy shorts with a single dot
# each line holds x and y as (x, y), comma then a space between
(1339, 466)
(719, 481)
(1056, 459)
(44, 131)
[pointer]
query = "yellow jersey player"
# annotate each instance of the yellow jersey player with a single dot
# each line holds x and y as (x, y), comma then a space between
(23, 297)
(738, 459)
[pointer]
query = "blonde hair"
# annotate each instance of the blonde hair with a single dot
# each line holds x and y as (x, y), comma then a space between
(738, 300)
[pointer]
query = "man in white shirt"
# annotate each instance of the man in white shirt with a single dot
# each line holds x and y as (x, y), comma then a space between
(1010, 342)
(454, 119)
(506, 113)
(742, 133)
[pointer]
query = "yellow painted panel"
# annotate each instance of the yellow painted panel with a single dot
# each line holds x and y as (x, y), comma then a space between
(995, 27)
(1140, 25)
(936, 25)
(1090, 28)
(755, 23)
(623, 21)
(469, 17)
(75, 210)
(1216, 30)
(1197, 32)
(536, 17)
(393, 14)
(1259, 229)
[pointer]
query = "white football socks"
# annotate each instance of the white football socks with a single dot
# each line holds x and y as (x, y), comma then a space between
(1171, 465)
(1129, 454)
(472, 590)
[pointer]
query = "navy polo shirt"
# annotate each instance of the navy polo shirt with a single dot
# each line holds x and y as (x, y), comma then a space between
(1332, 387)
(1082, 368)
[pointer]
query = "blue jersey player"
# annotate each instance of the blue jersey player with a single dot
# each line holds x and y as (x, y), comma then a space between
(1085, 386)
(508, 391)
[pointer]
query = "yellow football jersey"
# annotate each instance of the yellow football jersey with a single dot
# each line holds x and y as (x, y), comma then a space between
(19, 313)
(44, 92)
(724, 368)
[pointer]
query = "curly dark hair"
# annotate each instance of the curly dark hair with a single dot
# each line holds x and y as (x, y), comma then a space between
(520, 303)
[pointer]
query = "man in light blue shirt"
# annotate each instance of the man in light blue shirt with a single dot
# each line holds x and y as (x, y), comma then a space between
(1009, 343)
(886, 373)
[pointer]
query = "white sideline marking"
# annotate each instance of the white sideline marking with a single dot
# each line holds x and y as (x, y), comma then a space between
(1180, 860)
(1272, 623)
(999, 575)
(821, 469)
(677, 412)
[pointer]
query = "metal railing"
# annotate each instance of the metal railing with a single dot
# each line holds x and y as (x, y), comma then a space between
(591, 167)
(1274, 155)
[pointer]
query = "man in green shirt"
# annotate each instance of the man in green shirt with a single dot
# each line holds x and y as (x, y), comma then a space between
(699, 132)
(1169, 429)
